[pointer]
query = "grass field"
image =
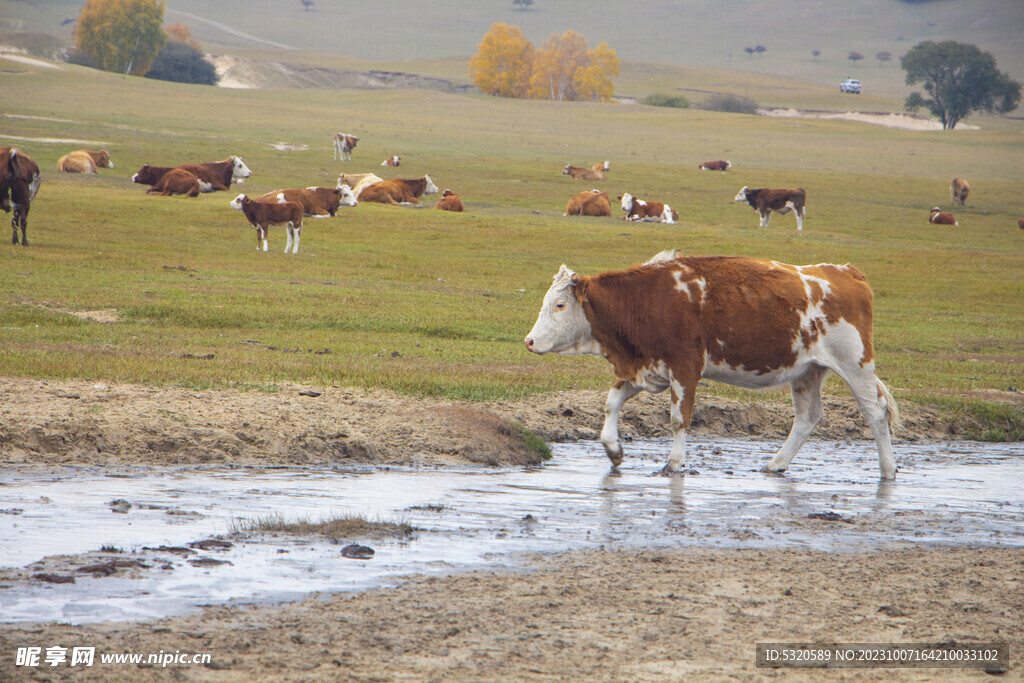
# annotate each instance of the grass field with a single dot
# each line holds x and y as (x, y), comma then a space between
(431, 303)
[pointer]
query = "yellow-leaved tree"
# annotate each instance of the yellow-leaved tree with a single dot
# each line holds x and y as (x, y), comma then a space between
(594, 82)
(121, 35)
(556, 65)
(503, 63)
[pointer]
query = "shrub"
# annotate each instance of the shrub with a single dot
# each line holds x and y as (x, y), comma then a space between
(733, 104)
(182, 63)
(661, 100)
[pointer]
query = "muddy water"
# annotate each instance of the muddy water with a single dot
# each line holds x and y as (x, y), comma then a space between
(961, 493)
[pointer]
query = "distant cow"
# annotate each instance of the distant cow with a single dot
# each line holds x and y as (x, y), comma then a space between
(589, 203)
(958, 191)
(176, 181)
(766, 200)
(395, 161)
(343, 146)
(84, 161)
(315, 201)
(595, 172)
(449, 201)
(942, 217)
(357, 181)
(398, 190)
(213, 176)
(654, 212)
(19, 183)
(262, 215)
(720, 165)
(1020, 223)
(749, 322)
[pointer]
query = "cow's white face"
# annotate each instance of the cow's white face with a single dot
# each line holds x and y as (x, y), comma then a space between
(240, 171)
(236, 203)
(348, 197)
(562, 326)
(431, 187)
(627, 202)
(741, 196)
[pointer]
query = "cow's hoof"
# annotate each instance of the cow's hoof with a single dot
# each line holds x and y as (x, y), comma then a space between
(768, 470)
(666, 471)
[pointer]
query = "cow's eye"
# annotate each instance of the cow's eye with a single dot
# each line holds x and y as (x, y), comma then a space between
(559, 305)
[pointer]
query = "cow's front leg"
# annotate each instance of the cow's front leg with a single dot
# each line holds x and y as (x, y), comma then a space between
(619, 394)
(684, 396)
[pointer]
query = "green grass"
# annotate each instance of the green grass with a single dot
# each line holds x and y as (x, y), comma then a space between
(431, 303)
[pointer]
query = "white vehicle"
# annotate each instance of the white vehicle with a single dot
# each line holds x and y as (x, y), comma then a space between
(850, 85)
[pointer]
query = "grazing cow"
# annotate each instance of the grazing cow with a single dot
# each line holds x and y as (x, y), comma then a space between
(19, 183)
(315, 201)
(176, 181)
(213, 176)
(398, 190)
(392, 161)
(748, 322)
(343, 146)
(639, 210)
(1020, 223)
(262, 215)
(958, 191)
(595, 172)
(449, 201)
(720, 165)
(84, 161)
(765, 201)
(588, 203)
(941, 217)
(357, 181)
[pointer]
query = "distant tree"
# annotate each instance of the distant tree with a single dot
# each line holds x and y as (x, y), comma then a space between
(855, 56)
(307, 4)
(815, 53)
(760, 49)
(523, 4)
(733, 104)
(594, 82)
(958, 78)
(182, 63)
(179, 33)
(749, 51)
(121, 35)
(661, 100)
(554, 70)
(503, 63)
(883, 57)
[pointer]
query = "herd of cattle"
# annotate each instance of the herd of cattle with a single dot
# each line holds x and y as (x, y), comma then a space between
(20, 177)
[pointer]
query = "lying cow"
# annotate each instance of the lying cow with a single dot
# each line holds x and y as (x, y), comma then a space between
(213, 176)
(640, 210)
(398, 190)
(315, 201)
(958, 191)
(588, 203)
(719, 165)
(449, 201)
(262, 215)
(176, 181)
(343, 146)
(395, 161)
(84, 161)
(941, 217)
(357, 181)
(783, 201)
(743, 321)
(595, 172)
(19, 183)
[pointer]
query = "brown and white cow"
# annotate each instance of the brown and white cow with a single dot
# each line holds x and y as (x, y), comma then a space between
(84, 161)
(595, 172)
(640, 210)
(765, 200)
(357, 181)
(176, 181)
(316, 201)
(588, 203)
(449, 201)
(398, 190)
(213, 176)
(395, 161)
(748, 322)
(343, 146)
(958, 191)
(262, 215)
(19, 183)
(719, 165)
(941, 217)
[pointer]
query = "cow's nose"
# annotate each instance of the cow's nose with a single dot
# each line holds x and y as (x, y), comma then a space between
(529, 343)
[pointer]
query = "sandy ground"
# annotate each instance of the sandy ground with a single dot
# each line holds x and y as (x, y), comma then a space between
(658, 615)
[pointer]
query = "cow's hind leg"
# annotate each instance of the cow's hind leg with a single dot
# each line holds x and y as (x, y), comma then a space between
(618, 395)
(684, 398)
(807, 413)
(19, 218)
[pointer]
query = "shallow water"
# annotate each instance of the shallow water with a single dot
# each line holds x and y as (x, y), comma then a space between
(957, 493)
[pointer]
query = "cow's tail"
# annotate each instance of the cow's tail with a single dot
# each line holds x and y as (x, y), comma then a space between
(892, 411)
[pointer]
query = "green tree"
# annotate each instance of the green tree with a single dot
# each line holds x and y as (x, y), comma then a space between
(182, 63)
(121, 35)
(958, 79)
